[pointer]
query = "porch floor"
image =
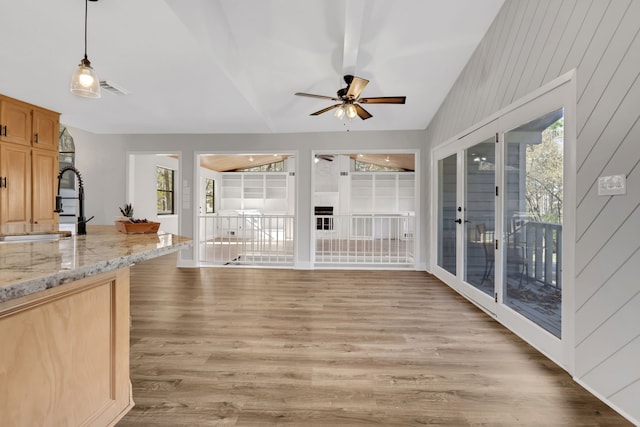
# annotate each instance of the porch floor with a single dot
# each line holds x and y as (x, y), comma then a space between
(537, 302)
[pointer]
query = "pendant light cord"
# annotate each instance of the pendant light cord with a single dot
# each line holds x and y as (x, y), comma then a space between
(86, 12)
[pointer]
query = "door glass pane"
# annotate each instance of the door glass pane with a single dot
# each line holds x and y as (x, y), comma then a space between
(479, 203)
(533, 220)
(447, 179)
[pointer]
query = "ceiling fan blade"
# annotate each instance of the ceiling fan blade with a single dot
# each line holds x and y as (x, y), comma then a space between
(384, 100)
(356, 86)
(324, 110)
(364, 114)
(310, 95)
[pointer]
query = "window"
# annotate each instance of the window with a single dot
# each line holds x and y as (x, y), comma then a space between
(67, 150)
(210, 193)
(370, 167)
(164, 180)
(269, 167)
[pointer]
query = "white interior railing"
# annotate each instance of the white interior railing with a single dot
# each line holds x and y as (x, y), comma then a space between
(246, 239)
(365, 239)
(357, 239)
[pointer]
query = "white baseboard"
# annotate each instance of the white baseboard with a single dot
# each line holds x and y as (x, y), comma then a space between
(303, 265)
(187, 263)
(608, 402)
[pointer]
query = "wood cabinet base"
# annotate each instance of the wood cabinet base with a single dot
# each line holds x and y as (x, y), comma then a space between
(64, 357)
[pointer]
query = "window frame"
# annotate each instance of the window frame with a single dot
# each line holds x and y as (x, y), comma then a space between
(170, 191)
(209, 195)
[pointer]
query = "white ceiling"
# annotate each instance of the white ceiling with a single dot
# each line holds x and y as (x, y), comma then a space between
(232, 66)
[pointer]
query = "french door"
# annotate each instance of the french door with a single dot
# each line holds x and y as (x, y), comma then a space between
(501, 202)
(467, 215)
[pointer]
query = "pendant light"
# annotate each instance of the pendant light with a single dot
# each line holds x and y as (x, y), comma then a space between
(85, 81)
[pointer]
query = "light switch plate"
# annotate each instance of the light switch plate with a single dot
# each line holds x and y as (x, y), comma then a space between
(613, 185)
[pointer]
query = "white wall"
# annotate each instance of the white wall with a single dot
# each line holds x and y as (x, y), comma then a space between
(143, 185)
(529, 44)
(111, 153)
(101, 161)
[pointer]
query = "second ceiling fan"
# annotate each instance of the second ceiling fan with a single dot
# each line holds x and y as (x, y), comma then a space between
(349, 100)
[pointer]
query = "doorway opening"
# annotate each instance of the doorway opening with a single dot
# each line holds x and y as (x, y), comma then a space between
(364, 207)
(153, 188)
(246, 209)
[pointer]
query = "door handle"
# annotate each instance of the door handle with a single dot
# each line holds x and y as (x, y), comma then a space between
(459, 221)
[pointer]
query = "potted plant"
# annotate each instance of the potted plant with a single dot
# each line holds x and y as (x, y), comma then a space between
(130, 225)
(127, 210)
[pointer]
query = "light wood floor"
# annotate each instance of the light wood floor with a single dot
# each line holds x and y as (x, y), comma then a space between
(260, 347)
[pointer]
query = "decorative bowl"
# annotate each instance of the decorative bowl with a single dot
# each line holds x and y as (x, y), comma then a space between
(137, 227)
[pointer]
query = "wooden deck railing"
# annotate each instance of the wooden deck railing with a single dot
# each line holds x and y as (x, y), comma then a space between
(544, 252)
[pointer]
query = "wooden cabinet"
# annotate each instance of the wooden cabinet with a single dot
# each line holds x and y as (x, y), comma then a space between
(65, 354)
(28, 163)
(26, 124)
(45, 129)
(15, 194)
(44, 184)
(15, 121)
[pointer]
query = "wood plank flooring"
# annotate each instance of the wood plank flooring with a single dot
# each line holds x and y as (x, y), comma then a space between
(267, 347)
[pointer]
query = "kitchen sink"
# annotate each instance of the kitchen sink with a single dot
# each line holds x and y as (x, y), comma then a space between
(28, 238)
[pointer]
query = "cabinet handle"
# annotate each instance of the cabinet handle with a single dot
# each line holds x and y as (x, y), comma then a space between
(36, 138)
(5, 130)
(3, 182)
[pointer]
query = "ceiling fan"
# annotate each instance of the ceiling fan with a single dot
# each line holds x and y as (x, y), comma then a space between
(325, 157)
(349, 100)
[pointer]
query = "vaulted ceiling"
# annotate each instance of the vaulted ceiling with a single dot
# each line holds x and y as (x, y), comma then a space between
(232, 66)
(231, 162)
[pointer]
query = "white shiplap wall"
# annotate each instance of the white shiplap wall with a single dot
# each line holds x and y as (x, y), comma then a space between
(530, 43)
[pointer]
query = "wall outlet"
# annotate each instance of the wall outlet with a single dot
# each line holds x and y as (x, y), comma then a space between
(613, 185)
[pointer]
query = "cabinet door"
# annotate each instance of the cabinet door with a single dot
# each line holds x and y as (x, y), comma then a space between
(44, 172)
(15, 119)
(15, 197)
(45, 129)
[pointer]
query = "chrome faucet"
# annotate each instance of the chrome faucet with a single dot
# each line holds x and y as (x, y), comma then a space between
(82, 222)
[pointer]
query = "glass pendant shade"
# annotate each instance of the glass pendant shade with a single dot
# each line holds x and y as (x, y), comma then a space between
(85, 81)
(339, 114)
(351, 111)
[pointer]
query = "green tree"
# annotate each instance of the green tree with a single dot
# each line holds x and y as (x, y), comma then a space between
(544, 175)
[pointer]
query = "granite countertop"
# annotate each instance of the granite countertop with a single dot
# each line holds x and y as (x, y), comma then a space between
(26, 268)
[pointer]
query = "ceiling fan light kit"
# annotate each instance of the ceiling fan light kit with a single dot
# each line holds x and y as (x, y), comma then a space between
(85, 81)
(351, 111)
(349, 100)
